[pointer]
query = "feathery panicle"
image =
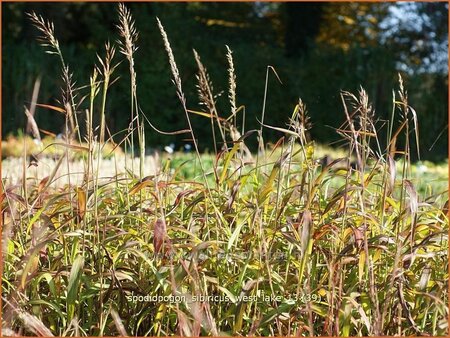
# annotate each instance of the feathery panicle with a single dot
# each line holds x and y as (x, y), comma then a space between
(360, 103)
(107, 68)
(205, 93)
(128, 46)
(231, 81)
(94, 86)
(234, 133)
(363, 113)
(177, 82)
(173, 65)
(48, 39)
(204, 86)
(47, 28)
(68, 97)
(127, 32)
(207, 97)
(407, 111)
(299, 121)
(68, 93)
(402, 92)
(304, 118)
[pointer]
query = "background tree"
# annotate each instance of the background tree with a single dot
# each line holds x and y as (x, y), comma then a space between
(303, 22)
(317, 49)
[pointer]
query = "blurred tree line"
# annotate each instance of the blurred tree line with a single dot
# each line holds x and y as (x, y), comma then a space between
(317, 49)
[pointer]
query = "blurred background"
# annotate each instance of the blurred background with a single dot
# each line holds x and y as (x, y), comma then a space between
(317, 49)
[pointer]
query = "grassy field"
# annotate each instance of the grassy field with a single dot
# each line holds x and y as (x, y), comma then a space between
(295, 239)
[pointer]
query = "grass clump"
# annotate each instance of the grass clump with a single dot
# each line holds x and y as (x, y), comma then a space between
(280, 243)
